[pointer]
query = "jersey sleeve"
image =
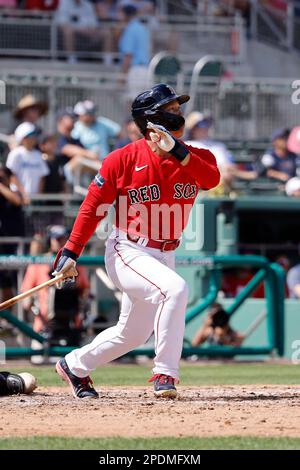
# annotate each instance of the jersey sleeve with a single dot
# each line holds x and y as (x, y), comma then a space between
(202, 166)
(101, 194)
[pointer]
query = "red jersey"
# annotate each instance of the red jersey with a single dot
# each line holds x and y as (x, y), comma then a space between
(153, 195)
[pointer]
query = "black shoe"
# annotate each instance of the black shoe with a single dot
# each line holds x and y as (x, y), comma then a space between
(164, 386)
(81, 387)
(14, 383)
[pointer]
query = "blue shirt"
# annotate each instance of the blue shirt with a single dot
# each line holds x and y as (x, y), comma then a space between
(135, 40)
(288, 164)
(96, 137)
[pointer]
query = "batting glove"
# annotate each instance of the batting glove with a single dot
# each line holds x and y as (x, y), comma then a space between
(166, 142)
(65, 263)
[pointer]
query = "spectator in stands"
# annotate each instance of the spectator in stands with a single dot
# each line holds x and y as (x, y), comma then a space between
(54, 181)
(293, 143)
(26, 162)
(94, 132)
(70, 150)
(145, 11)
(41, 5)
(37, 245)
(278, 162)
(77, 17)
(234, 280)
(11, 225)
(143, 7)
(107, 10)
(293, 280)
(130, 133)
(292, 187)
(198, 126)
(8, 4)
(284, 261)
(57, 312)
(134, 46)
(30, 109)
(216, 329)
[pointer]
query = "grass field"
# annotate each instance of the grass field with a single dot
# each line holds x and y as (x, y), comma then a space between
(193, 375)
(220, 374)
(169, 443)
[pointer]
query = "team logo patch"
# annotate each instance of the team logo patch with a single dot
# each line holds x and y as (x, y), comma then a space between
(99, 180)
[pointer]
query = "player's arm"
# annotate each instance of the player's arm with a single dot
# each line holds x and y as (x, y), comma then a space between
(101, 193)
(202, 165)
(199, 163)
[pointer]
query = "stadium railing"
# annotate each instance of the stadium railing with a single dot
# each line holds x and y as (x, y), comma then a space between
(250, 108)
(243, 108)
(276, 26)
(271, 274)
(28, 34)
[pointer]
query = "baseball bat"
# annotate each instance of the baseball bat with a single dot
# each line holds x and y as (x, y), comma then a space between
(28, 293)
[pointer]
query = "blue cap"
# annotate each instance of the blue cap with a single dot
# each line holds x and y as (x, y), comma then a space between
(280, 134)
(58, 231)
(66, 112)
(205, 123)
(129, 9)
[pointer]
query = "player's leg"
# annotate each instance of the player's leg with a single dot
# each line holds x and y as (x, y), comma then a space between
(149, 275)
(135, 326)
(149, 284)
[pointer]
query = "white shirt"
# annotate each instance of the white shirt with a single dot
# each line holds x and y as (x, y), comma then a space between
(28, 166)
(218, 149)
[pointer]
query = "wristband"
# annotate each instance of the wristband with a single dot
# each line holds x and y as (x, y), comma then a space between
(69, 254)
(179, 151)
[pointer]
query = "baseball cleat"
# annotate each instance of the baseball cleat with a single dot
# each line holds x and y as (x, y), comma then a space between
(82, 387)
(164, 386)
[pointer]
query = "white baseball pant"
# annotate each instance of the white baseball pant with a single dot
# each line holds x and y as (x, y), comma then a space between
(154, 298)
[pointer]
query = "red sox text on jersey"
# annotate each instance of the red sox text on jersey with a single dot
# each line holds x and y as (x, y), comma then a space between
(139, 181)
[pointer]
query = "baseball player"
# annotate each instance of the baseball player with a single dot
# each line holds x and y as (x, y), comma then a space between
(14, 384)
(154, 182)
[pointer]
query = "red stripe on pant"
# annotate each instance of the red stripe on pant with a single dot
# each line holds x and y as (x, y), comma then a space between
(146, 279)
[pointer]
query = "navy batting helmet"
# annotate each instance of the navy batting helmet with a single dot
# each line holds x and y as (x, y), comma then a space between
(147, 107)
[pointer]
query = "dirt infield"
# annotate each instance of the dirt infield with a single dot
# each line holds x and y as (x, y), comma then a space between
(199, 411)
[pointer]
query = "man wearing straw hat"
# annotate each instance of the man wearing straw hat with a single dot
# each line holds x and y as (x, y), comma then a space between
(30, 109)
